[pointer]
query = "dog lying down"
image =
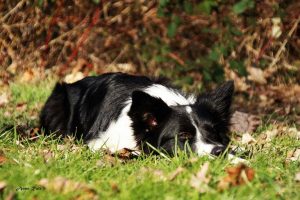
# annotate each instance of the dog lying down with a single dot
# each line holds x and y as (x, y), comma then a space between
(116, 111)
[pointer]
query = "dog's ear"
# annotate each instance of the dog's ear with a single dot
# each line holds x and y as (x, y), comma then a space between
(147, 109)
(219, 99)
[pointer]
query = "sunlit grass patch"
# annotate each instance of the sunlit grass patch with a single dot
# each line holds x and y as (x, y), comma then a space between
(68, 169)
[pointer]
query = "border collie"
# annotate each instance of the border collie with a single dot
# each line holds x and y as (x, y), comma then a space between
(117, 110)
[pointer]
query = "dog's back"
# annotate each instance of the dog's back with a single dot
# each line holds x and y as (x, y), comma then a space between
(73, 108)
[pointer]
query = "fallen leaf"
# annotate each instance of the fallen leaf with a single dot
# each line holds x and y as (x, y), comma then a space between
(2, 186)
(3, 159)
(26, 132)
(64, 185)
(276, 28)
(244, 122)
(111, 159)
(256, 75)
(123, 67)
(292, 132)
(237, 175)
(247, 139)
(73, 77)
(107, 161)
(271, 134)
(200, 180)
(175, 173)
(297, 177)
(156, 173)
(126, 154)
(12, 68)
(191, 161)
(47, 155)
(236, 160)
(293, 155)
(115, 187)
(3, 99)
(21, 107)
(31, 74)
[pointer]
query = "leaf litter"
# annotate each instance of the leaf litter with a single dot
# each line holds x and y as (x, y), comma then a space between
(3, 158)
(110, 159)
(236, 175)
(63, 185)
(201, 179)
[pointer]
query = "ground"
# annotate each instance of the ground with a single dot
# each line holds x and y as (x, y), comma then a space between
(33, 166)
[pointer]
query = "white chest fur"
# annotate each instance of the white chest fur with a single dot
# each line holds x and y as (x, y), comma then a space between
(120, 134)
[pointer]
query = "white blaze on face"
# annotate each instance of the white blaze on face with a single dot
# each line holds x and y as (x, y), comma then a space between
(201, 147)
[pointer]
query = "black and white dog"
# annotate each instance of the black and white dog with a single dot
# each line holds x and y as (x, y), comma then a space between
(118, 110)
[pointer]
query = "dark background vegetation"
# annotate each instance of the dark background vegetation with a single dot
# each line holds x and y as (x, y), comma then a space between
(197, 44)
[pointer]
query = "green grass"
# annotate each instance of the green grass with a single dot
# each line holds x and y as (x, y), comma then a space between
(147, 177)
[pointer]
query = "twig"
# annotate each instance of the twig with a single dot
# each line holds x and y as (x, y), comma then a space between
(276, 59)
(63, 35)
(15, 9)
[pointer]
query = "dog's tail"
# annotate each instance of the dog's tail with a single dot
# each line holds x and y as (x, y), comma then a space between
(56, 111)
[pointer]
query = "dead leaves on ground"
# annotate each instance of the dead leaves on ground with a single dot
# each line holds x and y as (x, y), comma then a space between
(237, 175)
(4, 99)
(297, 177)
(293, 155)
(63, 186)
(110, 159)
(3, 158)
(242, 122)
(201, 179)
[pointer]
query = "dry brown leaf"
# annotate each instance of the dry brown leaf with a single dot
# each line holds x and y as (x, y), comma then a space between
(21, 107)
(31, 74)
(12, 68)
(271, 134)
(111, 159)
(115, 187)
(64, 185)
(242, 122)
(247, 139)
(256, 75)
(200, 180)
(2, 186)
(293, 155)
(3, 99)
(157, 173)
(292, 132)
(107, 161)
(237, 175)
(47, 155)
(3, 158)
(297, 177)
(175, 173)
(73, 77)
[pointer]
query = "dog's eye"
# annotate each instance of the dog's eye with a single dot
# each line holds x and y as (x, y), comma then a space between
(185, 136)
(209, 128)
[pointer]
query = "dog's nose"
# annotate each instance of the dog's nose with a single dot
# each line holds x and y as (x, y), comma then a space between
(218, 150)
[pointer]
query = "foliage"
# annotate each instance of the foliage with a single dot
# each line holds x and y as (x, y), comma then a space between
(205, 40)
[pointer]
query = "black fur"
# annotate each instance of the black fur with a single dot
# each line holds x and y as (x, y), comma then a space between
(87, 107)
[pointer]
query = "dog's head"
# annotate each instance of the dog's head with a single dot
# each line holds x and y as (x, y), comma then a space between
(202, 126)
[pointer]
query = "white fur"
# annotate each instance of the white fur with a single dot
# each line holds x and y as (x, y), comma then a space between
(201, 147)
(119, 134)
(169, 96)
(188, 109)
